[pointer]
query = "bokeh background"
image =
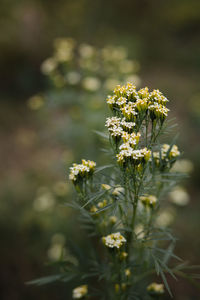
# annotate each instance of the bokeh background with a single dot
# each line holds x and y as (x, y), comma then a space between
(40, 137)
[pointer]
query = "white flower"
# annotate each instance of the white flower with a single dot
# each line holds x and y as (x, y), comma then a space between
(80, 292)
(114, 240)
(73, 77)
(179, 196)
(91, 83)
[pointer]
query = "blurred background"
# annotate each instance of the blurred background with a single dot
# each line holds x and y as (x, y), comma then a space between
(58, 60)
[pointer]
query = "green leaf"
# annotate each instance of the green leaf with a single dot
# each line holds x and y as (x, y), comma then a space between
(101, 134)
(99, 169)
(165, 282)
(46, 280)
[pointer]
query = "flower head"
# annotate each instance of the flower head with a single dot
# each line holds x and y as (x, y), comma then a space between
(156, 288)
(148, 200)
(114, 240)
(80, 292)
(80, 171)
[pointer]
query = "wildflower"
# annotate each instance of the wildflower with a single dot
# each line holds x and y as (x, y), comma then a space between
(127, 126)
(156, 288)
(93, 209)
(165, 153)
(121, 101)
(102, 204)
(105, 187)
(123, 255)
(116, 133)
(139, 231)
(113, 219)
(73, 77)
(174, 152)
(148, 200)
(48, 66)
(55, 251)
(60, 188)
(133, 156)
(124, 156)
(132, 138)
(146, 153)
(120, 91)
(128, 272)
(117, 191)
(91, 84)
(141, 104)
(179, 196)
(86, 51)
(80, 171)
(89, 163)
(80, 292)
(36, 102)
(127, 66)
(157, 96)
(113, 122)
(158, 111)
(114, 240)
(64, 48)
(183, 166)
(125, 136)
(129, 112)
(143, 93)
(111, 101)
(44, 201)
(166, 218)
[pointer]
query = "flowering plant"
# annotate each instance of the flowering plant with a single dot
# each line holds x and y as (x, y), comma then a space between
(120, 203)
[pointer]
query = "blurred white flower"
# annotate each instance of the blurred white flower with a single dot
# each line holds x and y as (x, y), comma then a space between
(86, 51)
(61, 188)
(110, 53)
(73, 77)
(55, 251)
(91, 83)
(183, 166)
(58, 238)
(36, 102)
(139, 231)
(44, 200)
(179, 196)
(126, 66)
(49, 65)
(118, 191)
(64, 49)
(166, 217)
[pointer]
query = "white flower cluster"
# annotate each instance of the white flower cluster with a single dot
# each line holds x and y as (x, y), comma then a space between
(136, 156)
(116, 128)
(114, 240)
(131, 102)
(156, 288)
(79, 171)
(165, 154)
(148, 200)
(71, 62)
(80, 292)
(159, 110)
(127, 126)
